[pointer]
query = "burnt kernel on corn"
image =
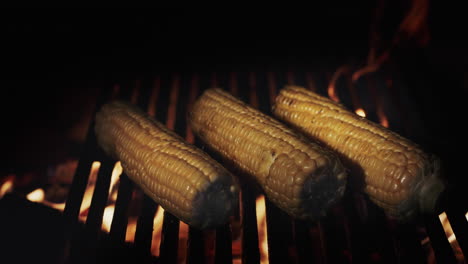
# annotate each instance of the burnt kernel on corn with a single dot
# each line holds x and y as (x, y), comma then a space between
(299, 176)
(395, 173)
(181, 178)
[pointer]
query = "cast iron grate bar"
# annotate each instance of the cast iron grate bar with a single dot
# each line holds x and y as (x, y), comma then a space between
(125, 191)
(170, 230)
(354, 231)
(279, 225)
(195, 243)
(442, 249)
(457, 218)
(144, 227)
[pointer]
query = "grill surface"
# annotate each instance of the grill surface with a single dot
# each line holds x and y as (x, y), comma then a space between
(354, 231)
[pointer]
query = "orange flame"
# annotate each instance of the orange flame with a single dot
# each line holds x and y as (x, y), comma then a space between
(110, 208)
(39, 196)
(183, 238)
(384, 121)
(262, 229)
(372, 66)
(332, 92)
(131, 229)
(7, 186)
(36, 195)
(332, 85)
(360, 112)
(116, 172)
(157, 228)
(58, 206)
(413, 29)
(88, 195)
(451, 236)
(107, 217)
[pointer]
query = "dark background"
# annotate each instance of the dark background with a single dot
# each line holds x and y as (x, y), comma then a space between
(55, 61)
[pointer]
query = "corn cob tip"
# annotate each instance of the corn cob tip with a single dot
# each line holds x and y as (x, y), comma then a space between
(429, 194)
(426, 194)
(181, 178)
(216, 204)
(396, 173)
(431, 189)
(319, 195)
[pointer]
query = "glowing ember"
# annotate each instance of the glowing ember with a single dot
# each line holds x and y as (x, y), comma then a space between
(332, 92)
(384, 121)
(107, 217)
(451, 236)
(116, 172)
(157, 228)
(183, 238)
(109, 211)
(262, 229)
(88, 195)
(360, 112)
(131, 229)
(6, 187)
(36, 195)
(58, 206)
(447, 227)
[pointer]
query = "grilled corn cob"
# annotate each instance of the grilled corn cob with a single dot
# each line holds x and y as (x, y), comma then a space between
(181, 178)
(297, 175)
(395, 173)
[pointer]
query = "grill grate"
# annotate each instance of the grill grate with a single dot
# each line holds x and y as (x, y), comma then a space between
(354, 231)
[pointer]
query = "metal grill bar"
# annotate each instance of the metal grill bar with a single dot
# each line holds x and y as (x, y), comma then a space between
(354, 231)
(459, 224)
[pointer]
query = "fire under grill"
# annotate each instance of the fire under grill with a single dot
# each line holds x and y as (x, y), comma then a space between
(123, 224)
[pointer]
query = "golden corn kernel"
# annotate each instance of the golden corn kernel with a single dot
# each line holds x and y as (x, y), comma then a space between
(395, 172)
(178, 176)
(296, 174)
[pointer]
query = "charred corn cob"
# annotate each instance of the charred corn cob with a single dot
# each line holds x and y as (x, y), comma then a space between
(297, 175)
(181, 178)
(395, 173)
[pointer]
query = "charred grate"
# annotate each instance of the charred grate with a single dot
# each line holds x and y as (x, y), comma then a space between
(354, 231)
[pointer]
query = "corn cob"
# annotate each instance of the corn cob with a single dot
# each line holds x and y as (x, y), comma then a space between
(395, 173)
(181, 178)
(300, 177)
